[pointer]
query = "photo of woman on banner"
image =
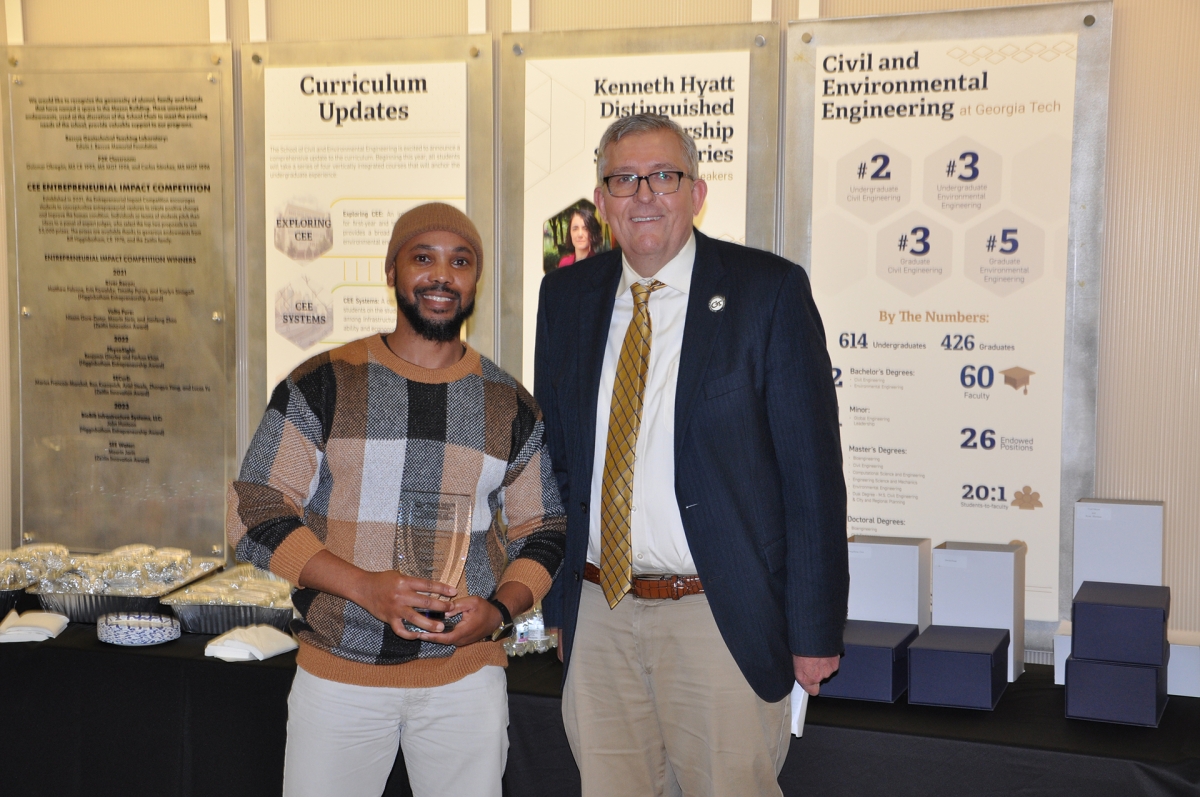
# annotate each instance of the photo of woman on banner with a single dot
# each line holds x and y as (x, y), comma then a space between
(573, 234)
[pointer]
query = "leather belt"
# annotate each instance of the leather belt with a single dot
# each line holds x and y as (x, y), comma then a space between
(654, 587)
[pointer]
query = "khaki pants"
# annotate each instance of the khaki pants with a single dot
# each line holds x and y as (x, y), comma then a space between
(654, 704)
(342, 738)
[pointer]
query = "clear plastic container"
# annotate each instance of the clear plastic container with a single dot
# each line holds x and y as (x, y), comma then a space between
(13, 576)
(529, 634)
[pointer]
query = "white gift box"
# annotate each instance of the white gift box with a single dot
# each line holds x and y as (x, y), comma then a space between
(889, 579)
(1062, 649)
(1118, 541)
(982, 585)
(1183, 670)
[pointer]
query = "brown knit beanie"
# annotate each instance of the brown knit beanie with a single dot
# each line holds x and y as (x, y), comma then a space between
(430, 217)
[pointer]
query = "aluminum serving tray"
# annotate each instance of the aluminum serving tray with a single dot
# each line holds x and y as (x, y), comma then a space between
(207, 618)
(8, 600)
(83, 607)
(217, 618)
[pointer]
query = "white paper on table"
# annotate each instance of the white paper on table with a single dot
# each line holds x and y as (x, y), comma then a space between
(32, 626)
(250, 642)
(799, 709)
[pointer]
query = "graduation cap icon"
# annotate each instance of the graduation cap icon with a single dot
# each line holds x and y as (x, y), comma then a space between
(1018, 377)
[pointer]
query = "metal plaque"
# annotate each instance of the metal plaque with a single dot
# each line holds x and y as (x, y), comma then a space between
(120, 175)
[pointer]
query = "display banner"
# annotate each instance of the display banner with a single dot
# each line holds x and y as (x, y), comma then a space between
(347, 150)
(570, 102)
(570, 95)
(121, 167)
(940, 200)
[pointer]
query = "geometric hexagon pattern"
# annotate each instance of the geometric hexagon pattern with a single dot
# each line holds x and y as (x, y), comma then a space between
(914, 253)
(1004, 253)
(839, 253)
(874, 181)
(962, 179)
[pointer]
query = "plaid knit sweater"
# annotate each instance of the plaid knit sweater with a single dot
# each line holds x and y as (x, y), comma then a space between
(342, 437)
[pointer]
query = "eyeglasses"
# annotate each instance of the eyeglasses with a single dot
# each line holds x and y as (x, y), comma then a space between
(621, 185)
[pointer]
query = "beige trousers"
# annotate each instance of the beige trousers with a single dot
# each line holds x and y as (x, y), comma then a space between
(342, 739)
(654, 704)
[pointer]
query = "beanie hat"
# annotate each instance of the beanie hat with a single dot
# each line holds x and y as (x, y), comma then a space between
(435, 216)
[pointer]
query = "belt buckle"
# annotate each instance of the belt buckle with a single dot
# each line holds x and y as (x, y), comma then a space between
(678, 585)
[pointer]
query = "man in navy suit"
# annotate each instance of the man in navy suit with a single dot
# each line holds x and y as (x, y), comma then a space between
(692, 421)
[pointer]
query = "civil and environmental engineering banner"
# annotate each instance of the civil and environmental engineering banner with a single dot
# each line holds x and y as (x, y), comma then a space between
(941, 183)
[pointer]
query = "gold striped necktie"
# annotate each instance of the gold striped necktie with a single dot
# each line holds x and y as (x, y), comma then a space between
(624, 421)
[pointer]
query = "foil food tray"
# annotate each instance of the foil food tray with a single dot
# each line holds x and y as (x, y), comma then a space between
(84, 607)
(205, 618)
(8, 600)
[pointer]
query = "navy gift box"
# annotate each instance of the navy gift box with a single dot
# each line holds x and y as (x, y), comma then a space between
(1127, 693)
(958, 666)
(1124, 623)
(875, 666)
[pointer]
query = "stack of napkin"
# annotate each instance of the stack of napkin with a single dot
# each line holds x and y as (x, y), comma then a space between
(31, 626)
(250, 642)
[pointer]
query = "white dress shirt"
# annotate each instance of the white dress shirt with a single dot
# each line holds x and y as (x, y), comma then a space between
(656, 528)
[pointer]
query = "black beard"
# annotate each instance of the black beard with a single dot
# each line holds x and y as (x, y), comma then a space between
(436, 331)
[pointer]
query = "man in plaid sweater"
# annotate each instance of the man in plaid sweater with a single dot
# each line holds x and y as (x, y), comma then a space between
(349, 439)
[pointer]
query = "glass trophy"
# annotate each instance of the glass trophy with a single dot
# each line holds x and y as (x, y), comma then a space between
(433, 535)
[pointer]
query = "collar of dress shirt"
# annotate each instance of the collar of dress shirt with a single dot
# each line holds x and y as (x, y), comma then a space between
(676, 274)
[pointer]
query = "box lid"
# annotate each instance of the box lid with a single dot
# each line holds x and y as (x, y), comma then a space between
(1012, 547)
(872, 634)
(871, 539)
(1124, 501)
(961, 639)
(1134, 596)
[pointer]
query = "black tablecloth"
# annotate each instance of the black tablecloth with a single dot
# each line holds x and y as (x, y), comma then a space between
(1025, 747)
(93, 719)
(87, 718)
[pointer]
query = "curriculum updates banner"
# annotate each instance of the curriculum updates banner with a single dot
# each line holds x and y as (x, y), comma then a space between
(570, 102)
(349, 149)
(941, 184)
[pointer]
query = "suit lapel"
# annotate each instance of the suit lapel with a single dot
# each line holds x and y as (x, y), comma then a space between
(699, 332)
(595, 315)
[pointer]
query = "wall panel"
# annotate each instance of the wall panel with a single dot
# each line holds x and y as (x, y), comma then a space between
(6, 474)
(1149, 400)
(859, 8)
(115, 22)
(574, 15)
(322, 20)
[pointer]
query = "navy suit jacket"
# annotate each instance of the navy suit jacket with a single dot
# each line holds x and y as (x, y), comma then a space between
(758, 467)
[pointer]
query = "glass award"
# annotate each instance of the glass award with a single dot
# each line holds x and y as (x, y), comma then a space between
(433, 535)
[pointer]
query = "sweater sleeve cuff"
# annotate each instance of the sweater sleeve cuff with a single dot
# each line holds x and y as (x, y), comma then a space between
(529, 573)
(293, 554)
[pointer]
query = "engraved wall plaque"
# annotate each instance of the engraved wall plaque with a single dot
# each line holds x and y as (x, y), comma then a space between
(123, 336)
